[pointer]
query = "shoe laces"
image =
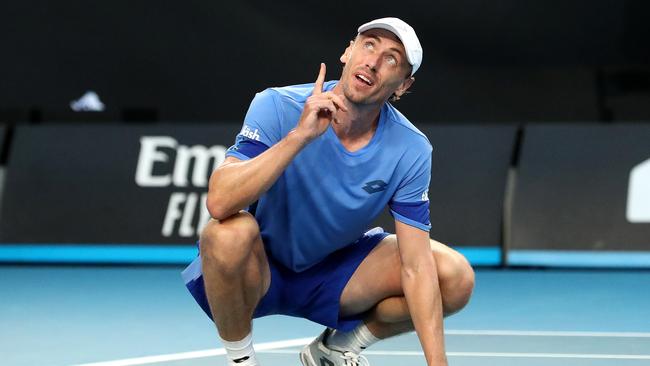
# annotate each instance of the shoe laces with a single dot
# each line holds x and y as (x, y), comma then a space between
(354, 359)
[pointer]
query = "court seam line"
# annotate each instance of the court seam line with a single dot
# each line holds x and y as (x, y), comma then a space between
(302, 341)
(196, 354)
(549, 333)
(592, 356)
(492, 354)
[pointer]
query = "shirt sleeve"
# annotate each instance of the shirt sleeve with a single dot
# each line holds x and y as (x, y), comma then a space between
(410, 204)
(261, 128)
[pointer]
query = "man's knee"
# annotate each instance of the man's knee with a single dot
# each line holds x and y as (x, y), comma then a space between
(456, 278)
(464, 280)
(229, 243)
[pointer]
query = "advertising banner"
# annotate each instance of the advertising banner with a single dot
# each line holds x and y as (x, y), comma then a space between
(3, 134)
(582, 197)
(128, 187)
(110, 183)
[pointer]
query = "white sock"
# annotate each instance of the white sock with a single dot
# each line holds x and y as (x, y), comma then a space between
(240, 353)
(355, 340)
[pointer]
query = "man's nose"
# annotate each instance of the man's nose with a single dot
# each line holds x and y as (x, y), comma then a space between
(372, 61)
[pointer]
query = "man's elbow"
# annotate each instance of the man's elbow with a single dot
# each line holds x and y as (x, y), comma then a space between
(218, 207)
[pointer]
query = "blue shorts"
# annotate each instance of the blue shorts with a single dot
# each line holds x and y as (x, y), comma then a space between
(313, 294)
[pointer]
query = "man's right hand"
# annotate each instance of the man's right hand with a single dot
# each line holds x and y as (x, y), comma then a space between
(235, 184)
(321, 108)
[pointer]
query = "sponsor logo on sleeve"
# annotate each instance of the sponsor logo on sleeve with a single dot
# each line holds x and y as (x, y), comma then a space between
(250, 133)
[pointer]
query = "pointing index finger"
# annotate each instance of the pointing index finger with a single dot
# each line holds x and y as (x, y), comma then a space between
(318, 86)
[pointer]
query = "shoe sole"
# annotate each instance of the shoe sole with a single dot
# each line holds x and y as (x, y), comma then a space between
(303, 357)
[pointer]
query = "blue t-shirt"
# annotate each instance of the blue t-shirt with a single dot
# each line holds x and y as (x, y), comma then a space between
(328, 196)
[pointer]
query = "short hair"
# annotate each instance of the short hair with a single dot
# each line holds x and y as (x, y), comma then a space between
(395, 98)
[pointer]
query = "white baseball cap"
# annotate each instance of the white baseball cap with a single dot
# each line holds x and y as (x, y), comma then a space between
(405, 33)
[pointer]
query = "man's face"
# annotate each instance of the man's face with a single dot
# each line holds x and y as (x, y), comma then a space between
(375, 68)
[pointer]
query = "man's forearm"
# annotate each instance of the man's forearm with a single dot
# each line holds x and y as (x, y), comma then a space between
(422, 291)
(234, 186)
(423, 297)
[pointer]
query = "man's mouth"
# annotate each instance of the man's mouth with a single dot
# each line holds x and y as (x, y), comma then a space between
(364, 79)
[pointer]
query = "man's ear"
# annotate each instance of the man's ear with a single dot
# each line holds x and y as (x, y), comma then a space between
(345, 57)
(406, 84)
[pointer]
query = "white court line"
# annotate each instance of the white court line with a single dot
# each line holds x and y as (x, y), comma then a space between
(269, 346)
(494, 354)
(547, 333)
(549, 355)
(197, 354)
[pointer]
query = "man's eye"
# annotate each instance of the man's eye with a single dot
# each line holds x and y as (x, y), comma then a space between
(391, 60)
(368, 46)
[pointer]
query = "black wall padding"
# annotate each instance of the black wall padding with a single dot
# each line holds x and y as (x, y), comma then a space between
(573, 188)
(468, 182)
(204, 60)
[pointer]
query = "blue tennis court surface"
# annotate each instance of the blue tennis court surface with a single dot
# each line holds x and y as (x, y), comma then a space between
(113, 316)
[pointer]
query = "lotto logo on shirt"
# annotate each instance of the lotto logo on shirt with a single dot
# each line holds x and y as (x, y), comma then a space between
(251, 134)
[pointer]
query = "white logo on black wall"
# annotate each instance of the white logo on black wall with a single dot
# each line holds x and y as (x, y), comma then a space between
(638, 194)
(191, 167)
(89, 102)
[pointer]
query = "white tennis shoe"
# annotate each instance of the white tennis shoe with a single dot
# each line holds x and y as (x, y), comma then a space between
(318, 354)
